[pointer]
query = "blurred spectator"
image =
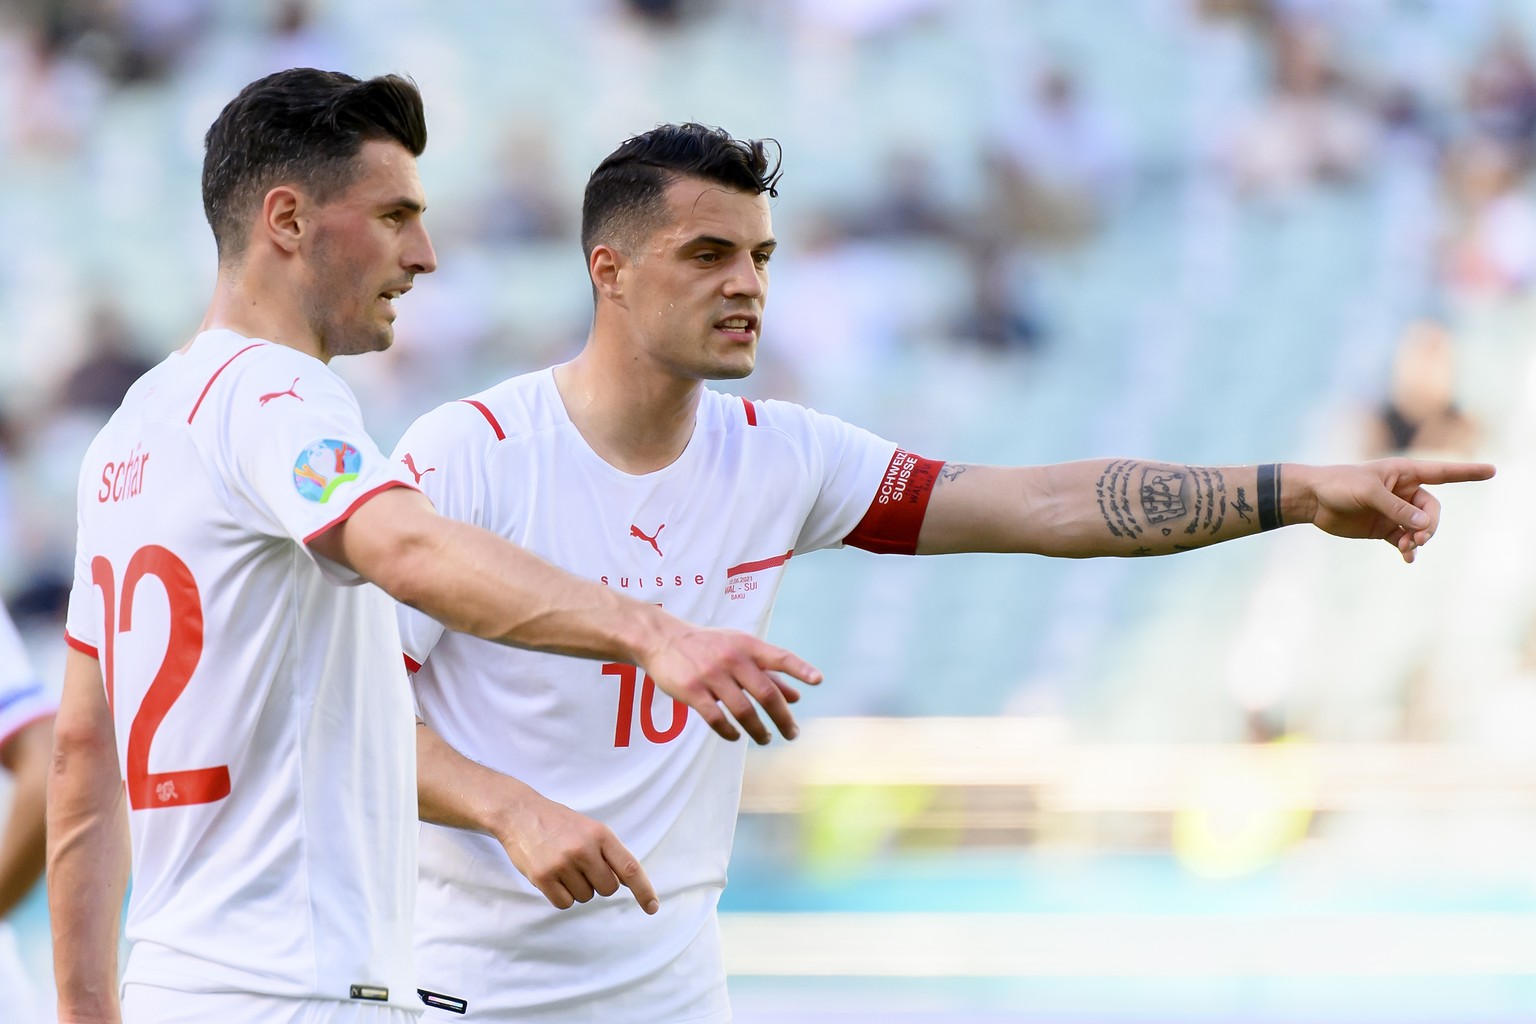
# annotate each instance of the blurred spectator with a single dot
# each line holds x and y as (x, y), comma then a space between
(297, 40)
(151, 37)
(908, 203)
(1501, 93)
(109, 366)
(1490, 250)
(1059, 162)
(834, 307)
(1002, 315)
(51, 92)
(1308, 130)
(521, 205)
(1419, 413)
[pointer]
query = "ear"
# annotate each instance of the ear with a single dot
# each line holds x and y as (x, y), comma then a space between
(283, 220)
(606, 265)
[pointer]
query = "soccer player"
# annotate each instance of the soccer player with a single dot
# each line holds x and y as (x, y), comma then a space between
(26, 728)
(229, 683)
(621, 466)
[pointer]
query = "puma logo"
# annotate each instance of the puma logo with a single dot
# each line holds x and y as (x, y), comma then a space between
(636, 532)
(410, 464)
(279, 394)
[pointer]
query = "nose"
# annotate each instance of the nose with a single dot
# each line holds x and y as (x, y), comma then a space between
(419, 256)
(746, 277)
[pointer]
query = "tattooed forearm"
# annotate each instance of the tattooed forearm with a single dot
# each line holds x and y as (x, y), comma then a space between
(1210, 496)
(1114, 494)
(951, 472)
(1241, 506)
(1162, 496)
(1134, 497)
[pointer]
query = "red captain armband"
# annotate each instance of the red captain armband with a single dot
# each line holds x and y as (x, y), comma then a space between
(891, 525)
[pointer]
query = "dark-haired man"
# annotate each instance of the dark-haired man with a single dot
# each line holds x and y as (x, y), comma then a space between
(228, 679)
(621, 466)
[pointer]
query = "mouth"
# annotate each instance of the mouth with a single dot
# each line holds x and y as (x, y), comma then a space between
(739, 328)
(389, 296)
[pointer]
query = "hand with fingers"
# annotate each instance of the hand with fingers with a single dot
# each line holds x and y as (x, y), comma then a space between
(1382, 500)
(715, 671)
(568, 856)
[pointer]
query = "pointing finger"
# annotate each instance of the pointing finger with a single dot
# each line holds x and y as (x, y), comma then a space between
(627, 867)
(1448, 472)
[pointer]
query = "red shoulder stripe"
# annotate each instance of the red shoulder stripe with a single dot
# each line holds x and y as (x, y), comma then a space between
(237, 355)
(759, 566)
(500, 435)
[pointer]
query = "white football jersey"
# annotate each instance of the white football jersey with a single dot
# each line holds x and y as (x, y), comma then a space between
(263, 719)
(23, 698)
(708, 538)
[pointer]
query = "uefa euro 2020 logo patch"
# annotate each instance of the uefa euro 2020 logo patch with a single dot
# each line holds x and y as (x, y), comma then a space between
(324, 466)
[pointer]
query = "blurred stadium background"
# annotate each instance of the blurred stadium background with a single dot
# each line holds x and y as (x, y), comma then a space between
(1287, 780)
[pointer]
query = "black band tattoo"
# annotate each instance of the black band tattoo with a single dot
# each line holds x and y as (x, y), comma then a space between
(1268, 489)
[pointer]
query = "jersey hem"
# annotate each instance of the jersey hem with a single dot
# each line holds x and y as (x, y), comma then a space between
(81, 646)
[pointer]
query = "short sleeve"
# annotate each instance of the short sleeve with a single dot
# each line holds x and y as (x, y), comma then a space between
(846, 464)
(83, 617)
(296, 454)
(442, 452)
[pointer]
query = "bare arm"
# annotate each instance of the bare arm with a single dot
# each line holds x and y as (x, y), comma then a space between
(25, 756)
(1128, 507)
(566, 855)
(87, 848)
(473, 581)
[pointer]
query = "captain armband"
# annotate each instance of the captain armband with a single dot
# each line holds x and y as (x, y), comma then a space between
(895, 516)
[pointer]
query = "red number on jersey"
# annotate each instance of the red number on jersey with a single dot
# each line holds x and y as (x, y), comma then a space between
(184, 648)
(628, 675)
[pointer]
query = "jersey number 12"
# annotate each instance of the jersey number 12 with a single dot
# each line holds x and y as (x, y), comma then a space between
(183, 650)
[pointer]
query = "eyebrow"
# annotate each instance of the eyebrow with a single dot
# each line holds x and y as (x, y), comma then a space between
(406, 204)
(725, 243)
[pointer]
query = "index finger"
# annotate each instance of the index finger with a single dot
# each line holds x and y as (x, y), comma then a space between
(633, 877)
(1450, 472)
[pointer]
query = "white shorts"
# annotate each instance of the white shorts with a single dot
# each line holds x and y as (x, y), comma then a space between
(148, 1004)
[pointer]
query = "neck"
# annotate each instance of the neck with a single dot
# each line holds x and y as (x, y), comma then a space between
(247, 304)
(636, 417)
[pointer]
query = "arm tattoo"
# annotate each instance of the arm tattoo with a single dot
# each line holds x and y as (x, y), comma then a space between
(1241, 506)
(951, 472)
(1191, 498)
(1113, 490)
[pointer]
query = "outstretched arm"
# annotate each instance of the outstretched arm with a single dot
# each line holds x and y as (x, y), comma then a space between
(566, 855)
(473, 581)
(87, 848)
(25, 756)
(1128, 507)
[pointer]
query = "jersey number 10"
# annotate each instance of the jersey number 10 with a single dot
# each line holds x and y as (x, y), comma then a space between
(183, 650)
(628, 676)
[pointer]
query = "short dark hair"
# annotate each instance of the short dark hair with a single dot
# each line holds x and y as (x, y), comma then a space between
(300, 126)
(625, 194)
